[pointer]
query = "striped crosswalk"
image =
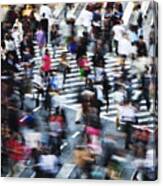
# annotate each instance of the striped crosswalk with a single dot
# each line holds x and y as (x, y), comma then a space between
(74, 83)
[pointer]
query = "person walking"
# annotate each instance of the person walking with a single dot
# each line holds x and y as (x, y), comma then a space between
(40, 38)
(46, 66)
(45, 26)
(64, 67)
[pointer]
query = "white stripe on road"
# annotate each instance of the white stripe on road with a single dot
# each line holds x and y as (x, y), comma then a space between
(36, 109)
(64, 145)
(75, 134)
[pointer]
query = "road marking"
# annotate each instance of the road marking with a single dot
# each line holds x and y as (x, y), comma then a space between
(23, 119)
(75, 134)
(36, 109)
(64, 145)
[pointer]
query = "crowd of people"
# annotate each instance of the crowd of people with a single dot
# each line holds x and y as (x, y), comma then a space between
(98, 29)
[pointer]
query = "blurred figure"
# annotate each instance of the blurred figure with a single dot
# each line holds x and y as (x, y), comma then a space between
(96, 23)
(45, 9)
(84, 160)
(55, 36)
(40, 38)
(98, 63)
(127, 118)
(72, 46)
(124, 47)
(27, 10)
(84, 66)
(81, 50)
(141, 47)
(17, 151)
(13, 118)
(17, 36)
(48, 102)
(19, 25)
(46, 66)
(108, 26)
(9, 44)
(64, 67)
(49, 165)
(57, 130)
(106, 90)
(44, 24)
(152, 41)
(85, 19)
(146, 82)
(118, 31)
(11, 15)
(136, 17)
(11, 62)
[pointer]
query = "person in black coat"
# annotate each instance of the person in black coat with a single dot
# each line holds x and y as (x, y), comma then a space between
(81, 49)
(44, 23)
(145, 87)
(106, 89)
(13, 116)
(98, 59)
(47, 102)
(141, 47)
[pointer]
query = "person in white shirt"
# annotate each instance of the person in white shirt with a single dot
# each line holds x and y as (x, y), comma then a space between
(19, 25)
(44, 9)
(16, 36)
(127, 113)
(118, 31)
(9, 44)
(85, 19)
(66, 31)
(127, 117)
(124, 47)
(134, 17)
(32, 138)
(57, 100)
(135, 20)
(49, 165)
(99, 92)
(119, 96)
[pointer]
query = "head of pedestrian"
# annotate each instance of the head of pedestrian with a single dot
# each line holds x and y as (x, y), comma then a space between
(138, 6)
(89, 82)
(7, 36)
(127, 102)
(47, 52)
(141, 38)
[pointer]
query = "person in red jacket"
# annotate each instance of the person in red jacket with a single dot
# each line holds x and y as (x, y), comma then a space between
(17, 150)
(46, 66)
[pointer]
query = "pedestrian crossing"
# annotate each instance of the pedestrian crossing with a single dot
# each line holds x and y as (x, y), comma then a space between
(74, 83)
